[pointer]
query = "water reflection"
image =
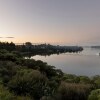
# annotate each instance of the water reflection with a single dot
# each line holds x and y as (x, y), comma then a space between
(84, 63)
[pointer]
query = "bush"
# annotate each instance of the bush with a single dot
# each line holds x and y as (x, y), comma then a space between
(29, 82)
(95, 95)
(7, 70)
(72, 91)
(23, 98)
(69, 78)
(96, 81)
(85, 80)
(5, 94)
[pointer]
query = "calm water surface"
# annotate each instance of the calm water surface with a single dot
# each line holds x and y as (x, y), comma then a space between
(85, 63)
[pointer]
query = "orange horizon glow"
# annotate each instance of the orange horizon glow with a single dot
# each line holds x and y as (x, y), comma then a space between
(48, 21)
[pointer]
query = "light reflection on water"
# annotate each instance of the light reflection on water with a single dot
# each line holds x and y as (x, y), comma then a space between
(84, 63)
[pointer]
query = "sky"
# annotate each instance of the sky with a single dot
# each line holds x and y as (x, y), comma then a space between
(67, 22)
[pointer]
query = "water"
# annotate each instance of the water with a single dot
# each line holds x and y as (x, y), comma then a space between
(85, 63)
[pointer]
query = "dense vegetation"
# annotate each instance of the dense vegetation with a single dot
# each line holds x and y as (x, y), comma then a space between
(41, 49)
(28, 79)
(46, 49)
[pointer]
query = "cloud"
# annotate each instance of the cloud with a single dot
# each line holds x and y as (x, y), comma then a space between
(9, 37)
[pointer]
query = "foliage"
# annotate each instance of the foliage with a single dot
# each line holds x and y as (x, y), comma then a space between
(96, 81)
(73, 91)
(43, 67)
(5, 94)
(95, 95)
(85, 80)
(46, 49)
(28, 79)
(30, 82)
(7, 70)
(7, 46)
(69, 78)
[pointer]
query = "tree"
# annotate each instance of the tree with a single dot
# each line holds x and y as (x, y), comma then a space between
(85, 80)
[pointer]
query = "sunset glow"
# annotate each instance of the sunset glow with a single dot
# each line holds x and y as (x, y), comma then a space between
(50, 21)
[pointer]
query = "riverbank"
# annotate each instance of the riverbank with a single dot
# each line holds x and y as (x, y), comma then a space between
(34, 80)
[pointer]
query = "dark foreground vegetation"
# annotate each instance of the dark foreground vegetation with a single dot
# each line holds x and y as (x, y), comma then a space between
(28, 79)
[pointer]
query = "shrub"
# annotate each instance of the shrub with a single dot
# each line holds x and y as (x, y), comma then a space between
(7, 70)
(72, 91)
(29, 82)
(5, 94)
(69, 78)
(85, 80)
(95, 95)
